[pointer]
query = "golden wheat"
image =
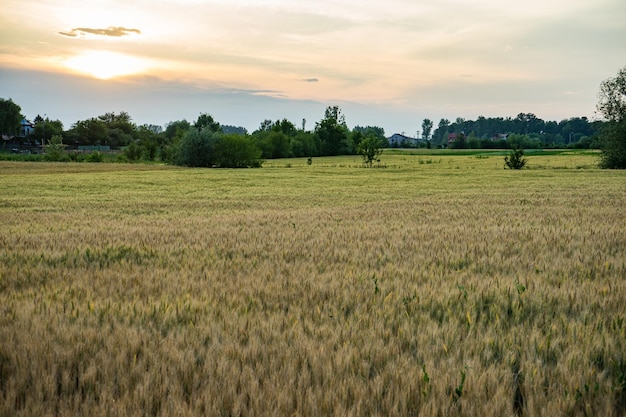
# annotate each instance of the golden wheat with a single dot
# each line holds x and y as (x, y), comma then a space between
(451, 287)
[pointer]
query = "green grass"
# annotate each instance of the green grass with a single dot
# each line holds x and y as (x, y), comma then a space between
(450, 287)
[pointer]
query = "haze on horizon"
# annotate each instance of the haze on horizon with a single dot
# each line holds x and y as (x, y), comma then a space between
(389, 64)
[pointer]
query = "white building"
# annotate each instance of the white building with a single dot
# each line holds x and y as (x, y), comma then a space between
(398, 139)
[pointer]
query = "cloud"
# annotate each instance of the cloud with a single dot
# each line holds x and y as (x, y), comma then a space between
(268, 93)
(309, 80)
(114, 31)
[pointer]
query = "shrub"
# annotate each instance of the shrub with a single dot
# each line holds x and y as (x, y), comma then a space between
(196, 149)
(370, 149)
(54, 151)
(132, 152)
(237, 151)
(94, 157)
(515, 160)
(213, 149)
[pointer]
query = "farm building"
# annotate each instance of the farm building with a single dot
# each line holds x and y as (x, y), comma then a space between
(398, 139)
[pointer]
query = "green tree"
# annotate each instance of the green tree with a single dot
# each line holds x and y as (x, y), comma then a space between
(515, 160)
(10, 117)
(133, 151)
(370, 149)
(205, 148)
(440, 136)
(526, 123)
(88, 132)
(236, 151)
(473, 142)
(286, 127)
(54, 148)
(120, 129)
(612, 103)
(196, 149)
(460, 142)
(333, 133)
(613, 145)
(176, 129)
(46, 128)
(121, 121)
(148, 142)
(427, 127)
(206, 121)
(377, 131)
(304, 144)
(275, 139)
(240, 130)
(117, 137)
(171, 138)
(612, 106)
(277, 145)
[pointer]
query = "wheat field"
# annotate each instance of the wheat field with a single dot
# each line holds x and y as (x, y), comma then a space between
(436, 285)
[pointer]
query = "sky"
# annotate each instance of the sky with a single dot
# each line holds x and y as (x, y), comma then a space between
(386, 63)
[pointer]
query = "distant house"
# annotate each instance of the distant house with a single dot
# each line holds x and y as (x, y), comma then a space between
(27, 128)
(400, 140)
(451, 138)
(500, 136)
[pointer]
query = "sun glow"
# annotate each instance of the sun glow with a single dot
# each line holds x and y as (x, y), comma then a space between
(105, 64)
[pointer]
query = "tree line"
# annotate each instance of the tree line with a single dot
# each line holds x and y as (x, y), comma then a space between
(206, 142)
(283, 139)
(525, 130)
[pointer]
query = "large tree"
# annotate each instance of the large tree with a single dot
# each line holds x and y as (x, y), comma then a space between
(88, 132)
(333, 133)
(206, 121)
(176, 129)
(10, 117)
(46, 128)
(196, 149)
(440, 136)
(612, 106)
(274, 138)
(427, 127)
(365, 131)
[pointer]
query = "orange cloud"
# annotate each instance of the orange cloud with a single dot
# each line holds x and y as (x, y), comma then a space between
(114, 31)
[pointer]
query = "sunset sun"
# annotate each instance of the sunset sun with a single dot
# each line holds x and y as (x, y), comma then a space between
(105, 65)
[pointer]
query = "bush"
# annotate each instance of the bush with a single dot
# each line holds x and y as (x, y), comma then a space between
(54, 151)
(213, 149)
(94, 157)
(370, 149)
(515, 160)
(196, 149)
(132, 152)
(237, 151)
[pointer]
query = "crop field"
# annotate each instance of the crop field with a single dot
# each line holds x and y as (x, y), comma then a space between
(434, 285)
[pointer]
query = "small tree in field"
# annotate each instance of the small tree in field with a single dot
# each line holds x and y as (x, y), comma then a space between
(515, 160)
(370, 149)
